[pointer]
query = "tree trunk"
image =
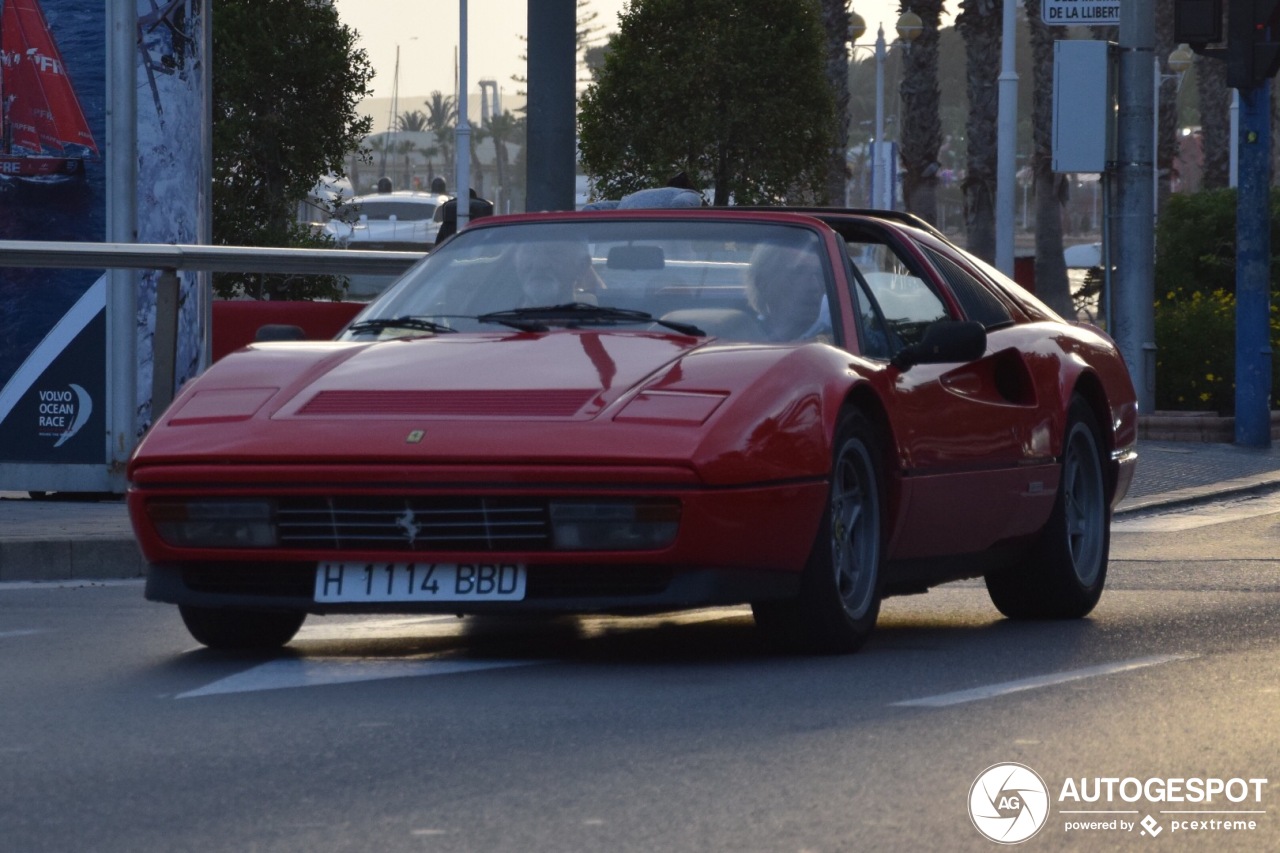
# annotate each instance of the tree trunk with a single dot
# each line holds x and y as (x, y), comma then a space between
(921, 120)
(979, 24)
(1215, 122)
(1052, 285)
(1167, 128)
(835, 20)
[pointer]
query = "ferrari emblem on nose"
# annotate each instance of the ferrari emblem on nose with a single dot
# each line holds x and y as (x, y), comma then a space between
(409, 524)
(415, 437)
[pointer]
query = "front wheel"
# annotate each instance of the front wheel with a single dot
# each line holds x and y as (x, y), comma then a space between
(839, 599)
(243, 630)
(1067, 570)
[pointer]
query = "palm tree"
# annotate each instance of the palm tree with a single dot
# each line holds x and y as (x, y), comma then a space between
(412, 122)
(1052, 284)
(1167, 124)
(478, 135)
(979, 23)
(921, 119)
(1215, 121)
(405, 148)
(378, 145)
(442, 113)
(502, 129)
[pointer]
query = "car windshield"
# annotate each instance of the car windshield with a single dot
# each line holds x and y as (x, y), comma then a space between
(379, 210)
(737, 280)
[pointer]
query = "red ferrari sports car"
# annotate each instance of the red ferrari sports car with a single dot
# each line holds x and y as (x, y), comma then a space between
(648, 410)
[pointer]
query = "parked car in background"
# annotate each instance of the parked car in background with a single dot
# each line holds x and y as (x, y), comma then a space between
(402, 220)
(645, 410)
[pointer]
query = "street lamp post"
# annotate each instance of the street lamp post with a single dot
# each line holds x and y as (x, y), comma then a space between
(908, 27)
(462, 133)
(1180, 60)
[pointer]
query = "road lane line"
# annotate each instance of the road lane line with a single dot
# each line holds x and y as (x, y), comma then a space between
(991, 691)
(321, 671)
(22, 632)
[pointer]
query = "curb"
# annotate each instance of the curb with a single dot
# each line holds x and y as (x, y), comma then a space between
(70, 559)
(1239, 487)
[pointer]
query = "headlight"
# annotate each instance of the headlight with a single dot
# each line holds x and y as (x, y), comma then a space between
(614, 525)
(214, 523)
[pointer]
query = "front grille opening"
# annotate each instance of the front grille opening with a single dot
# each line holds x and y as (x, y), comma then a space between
(414, 524)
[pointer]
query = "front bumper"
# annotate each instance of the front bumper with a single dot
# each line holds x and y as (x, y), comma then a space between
(551, 589)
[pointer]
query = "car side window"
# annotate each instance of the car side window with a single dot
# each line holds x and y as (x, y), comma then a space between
(904, 302)
(978, 302)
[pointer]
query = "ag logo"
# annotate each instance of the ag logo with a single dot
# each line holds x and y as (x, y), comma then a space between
(1008, 803)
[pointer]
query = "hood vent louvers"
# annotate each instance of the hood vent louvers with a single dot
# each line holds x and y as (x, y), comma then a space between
(536, 403)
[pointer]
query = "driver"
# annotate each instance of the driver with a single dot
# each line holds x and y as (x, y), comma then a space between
(555, 272)
(787, 289)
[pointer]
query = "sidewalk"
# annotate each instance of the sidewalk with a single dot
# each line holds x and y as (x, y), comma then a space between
(47, 540)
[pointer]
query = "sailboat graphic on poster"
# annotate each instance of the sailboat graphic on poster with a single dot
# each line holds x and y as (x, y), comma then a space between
(45, 136)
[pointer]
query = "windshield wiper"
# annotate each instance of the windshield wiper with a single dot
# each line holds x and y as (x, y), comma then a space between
(541, 318)
(421, 324)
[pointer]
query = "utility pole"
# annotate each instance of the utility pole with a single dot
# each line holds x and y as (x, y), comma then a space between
(1134, 321)
(1252, 55)
(552, 109)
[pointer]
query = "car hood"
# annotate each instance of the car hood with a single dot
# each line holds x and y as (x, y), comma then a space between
(573, 397)
(570, 375)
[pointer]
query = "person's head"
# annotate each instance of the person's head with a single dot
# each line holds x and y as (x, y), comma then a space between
(785, 286)
(550, 271)
(438, 185)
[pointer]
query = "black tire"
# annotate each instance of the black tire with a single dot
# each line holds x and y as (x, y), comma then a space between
(839, 598)
(244, 630)
(1068, 568)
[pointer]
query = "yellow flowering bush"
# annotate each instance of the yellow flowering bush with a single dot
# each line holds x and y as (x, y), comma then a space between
(1196, 352)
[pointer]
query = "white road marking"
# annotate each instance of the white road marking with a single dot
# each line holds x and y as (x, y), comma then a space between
(322, 671)
(22, 632)
(1189, 518)
(991, 691)
(365, 628)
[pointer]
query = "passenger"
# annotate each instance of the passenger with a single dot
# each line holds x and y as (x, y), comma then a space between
(787, 290)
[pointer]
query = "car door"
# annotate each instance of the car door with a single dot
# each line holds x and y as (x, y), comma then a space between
(971, 439)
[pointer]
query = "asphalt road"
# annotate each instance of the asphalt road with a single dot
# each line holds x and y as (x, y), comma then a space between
(675, 733)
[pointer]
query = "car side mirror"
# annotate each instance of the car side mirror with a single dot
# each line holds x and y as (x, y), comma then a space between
(944, 341)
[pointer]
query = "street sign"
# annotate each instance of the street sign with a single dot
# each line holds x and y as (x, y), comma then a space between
(1082, 13)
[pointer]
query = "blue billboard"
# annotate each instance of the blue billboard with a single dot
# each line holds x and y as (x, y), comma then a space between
(57, 341)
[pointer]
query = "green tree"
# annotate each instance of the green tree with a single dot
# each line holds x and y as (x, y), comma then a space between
(585, 35)
(835, 22)
(732, 92)
(287, 76)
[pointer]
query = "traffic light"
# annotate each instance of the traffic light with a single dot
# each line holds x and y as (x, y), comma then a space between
(1197, 22)
(1253, 52)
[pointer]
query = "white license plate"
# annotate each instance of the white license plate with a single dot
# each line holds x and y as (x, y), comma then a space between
(373, 582)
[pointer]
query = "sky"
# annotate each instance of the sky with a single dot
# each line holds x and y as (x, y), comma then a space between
(426, 32)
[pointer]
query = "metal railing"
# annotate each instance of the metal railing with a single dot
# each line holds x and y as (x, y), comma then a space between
(169, 259)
